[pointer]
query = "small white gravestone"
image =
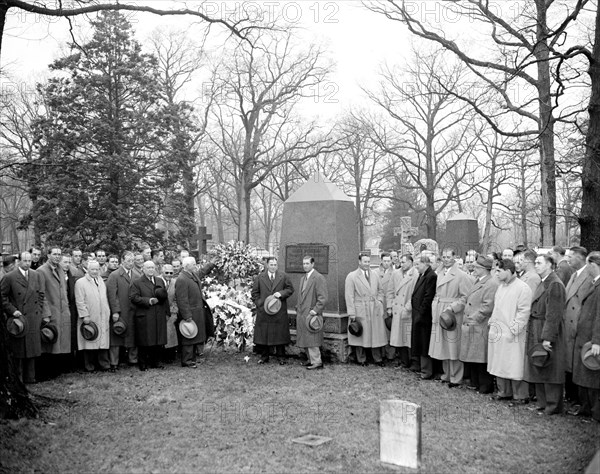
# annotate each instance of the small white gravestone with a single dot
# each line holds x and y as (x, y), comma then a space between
(400, 433)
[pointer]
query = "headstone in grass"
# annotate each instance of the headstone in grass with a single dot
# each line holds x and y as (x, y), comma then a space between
(400, 433)
(311, 440)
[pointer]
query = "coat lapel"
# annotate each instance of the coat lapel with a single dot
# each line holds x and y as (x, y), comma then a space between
(575, 283)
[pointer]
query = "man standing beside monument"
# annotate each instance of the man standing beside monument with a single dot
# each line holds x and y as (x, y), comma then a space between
(311, 301)
(384, 272)
(399, 293)
(364, 303)
(421, 303)
(23, 299)
(546, 347)
(453, 285)
(270, 291)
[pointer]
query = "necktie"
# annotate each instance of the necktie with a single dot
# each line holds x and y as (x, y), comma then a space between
(304, 283)
(272, 277)
(96, 281)
(367, 277)
(27, 276)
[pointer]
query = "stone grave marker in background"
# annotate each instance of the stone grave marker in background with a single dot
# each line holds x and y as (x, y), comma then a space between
(462, 234)
(400, 433)
(321, 221)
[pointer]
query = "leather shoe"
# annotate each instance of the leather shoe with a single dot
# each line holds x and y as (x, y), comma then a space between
(426, 377)
(578, 412)
(499, 398)
(363, 364)
(452, 385)
(263, 360)
(315, 367)
(472, 387)
(306, 363)
(518, 401)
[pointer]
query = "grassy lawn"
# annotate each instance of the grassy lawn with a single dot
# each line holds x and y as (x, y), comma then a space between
(233, 416)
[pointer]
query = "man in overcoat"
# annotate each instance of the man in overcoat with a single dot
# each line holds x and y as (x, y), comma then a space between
(151, 314)
(474, 330)
(311, 301)
(23, 297)
(421, 303)
(452, 288)
(121, 307)
(578, 287)
(191, 307)
(92, 306)
(588, 330)
(385, 272)
(271, 330)
(529, 275)
(57, 309)
(546, 326)
(364, 303)
(399, 293)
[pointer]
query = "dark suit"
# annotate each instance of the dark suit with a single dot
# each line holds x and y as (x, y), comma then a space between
(271, 330)
(117, 289)
(150, 320)
(26, 296)
(546, 324)
(421, 302)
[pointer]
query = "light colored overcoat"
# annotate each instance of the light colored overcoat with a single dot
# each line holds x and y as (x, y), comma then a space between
(171, 331)
(364, 299)
(578, 288)
(507, 333)
(92, 302)
(399, 293)
(474, 329)
(451, 292)
(56, 305)
(313, 298)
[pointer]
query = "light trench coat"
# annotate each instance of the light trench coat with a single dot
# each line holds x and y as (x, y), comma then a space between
(451, 291)
(365, 301)
(399, 293)
(507, 335)
(92, 301)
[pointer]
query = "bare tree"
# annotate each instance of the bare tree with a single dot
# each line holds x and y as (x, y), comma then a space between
(256, 127)
(525, 42)
(431, 134)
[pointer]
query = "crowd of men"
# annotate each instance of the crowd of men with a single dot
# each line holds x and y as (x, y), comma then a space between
(520, 326)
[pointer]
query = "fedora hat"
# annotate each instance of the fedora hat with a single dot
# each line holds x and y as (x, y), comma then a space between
(590, 361)
(388, 322)
(16, 327)
(119, 327)
(315, 322)
(49, 333)
(188, 329)
(539, 356)
(484, 262)
(355, 328)
(161, 294)
(448, 320)
(272, 305)
(89, 331)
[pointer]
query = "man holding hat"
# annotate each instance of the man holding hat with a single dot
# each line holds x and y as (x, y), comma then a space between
(270, 291)
(192, 310)
(506, 338)
(23, 298)
(474, 330)
(93, 310)
(452, 288)
(311, 301)
(545, 334)
(364, 302)
(586, 357)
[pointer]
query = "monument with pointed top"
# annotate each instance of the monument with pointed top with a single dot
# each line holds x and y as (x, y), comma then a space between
(321, 221)
(462, 234)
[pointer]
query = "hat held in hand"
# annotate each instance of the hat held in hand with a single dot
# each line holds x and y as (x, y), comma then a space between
(590, 361)
(272, 305)
(49, 333)
(448, 320)
(89, 331)
(188, 329)
(16, 327)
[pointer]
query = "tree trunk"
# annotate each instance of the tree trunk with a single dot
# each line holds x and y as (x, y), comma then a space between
(589, 218)
(245, 213)
(431, 221)
(489, 207)
(523, 202)
(547, 163)
(3, 10)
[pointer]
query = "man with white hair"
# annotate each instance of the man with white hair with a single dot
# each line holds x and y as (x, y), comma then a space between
(192, 307)
(151, 301)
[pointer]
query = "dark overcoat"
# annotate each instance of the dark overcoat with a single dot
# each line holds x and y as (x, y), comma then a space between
(117, 287)
(421, 302)
(190, 304)
(313, 298)
(56, 305)
(577, 288)
(71, 280)
(26, 296)
(271, 329)
(150, 320)
(588, 329)
(546, 324)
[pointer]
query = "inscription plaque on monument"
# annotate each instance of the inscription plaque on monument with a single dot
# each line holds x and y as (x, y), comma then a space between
(400, 433)
(295, 253)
